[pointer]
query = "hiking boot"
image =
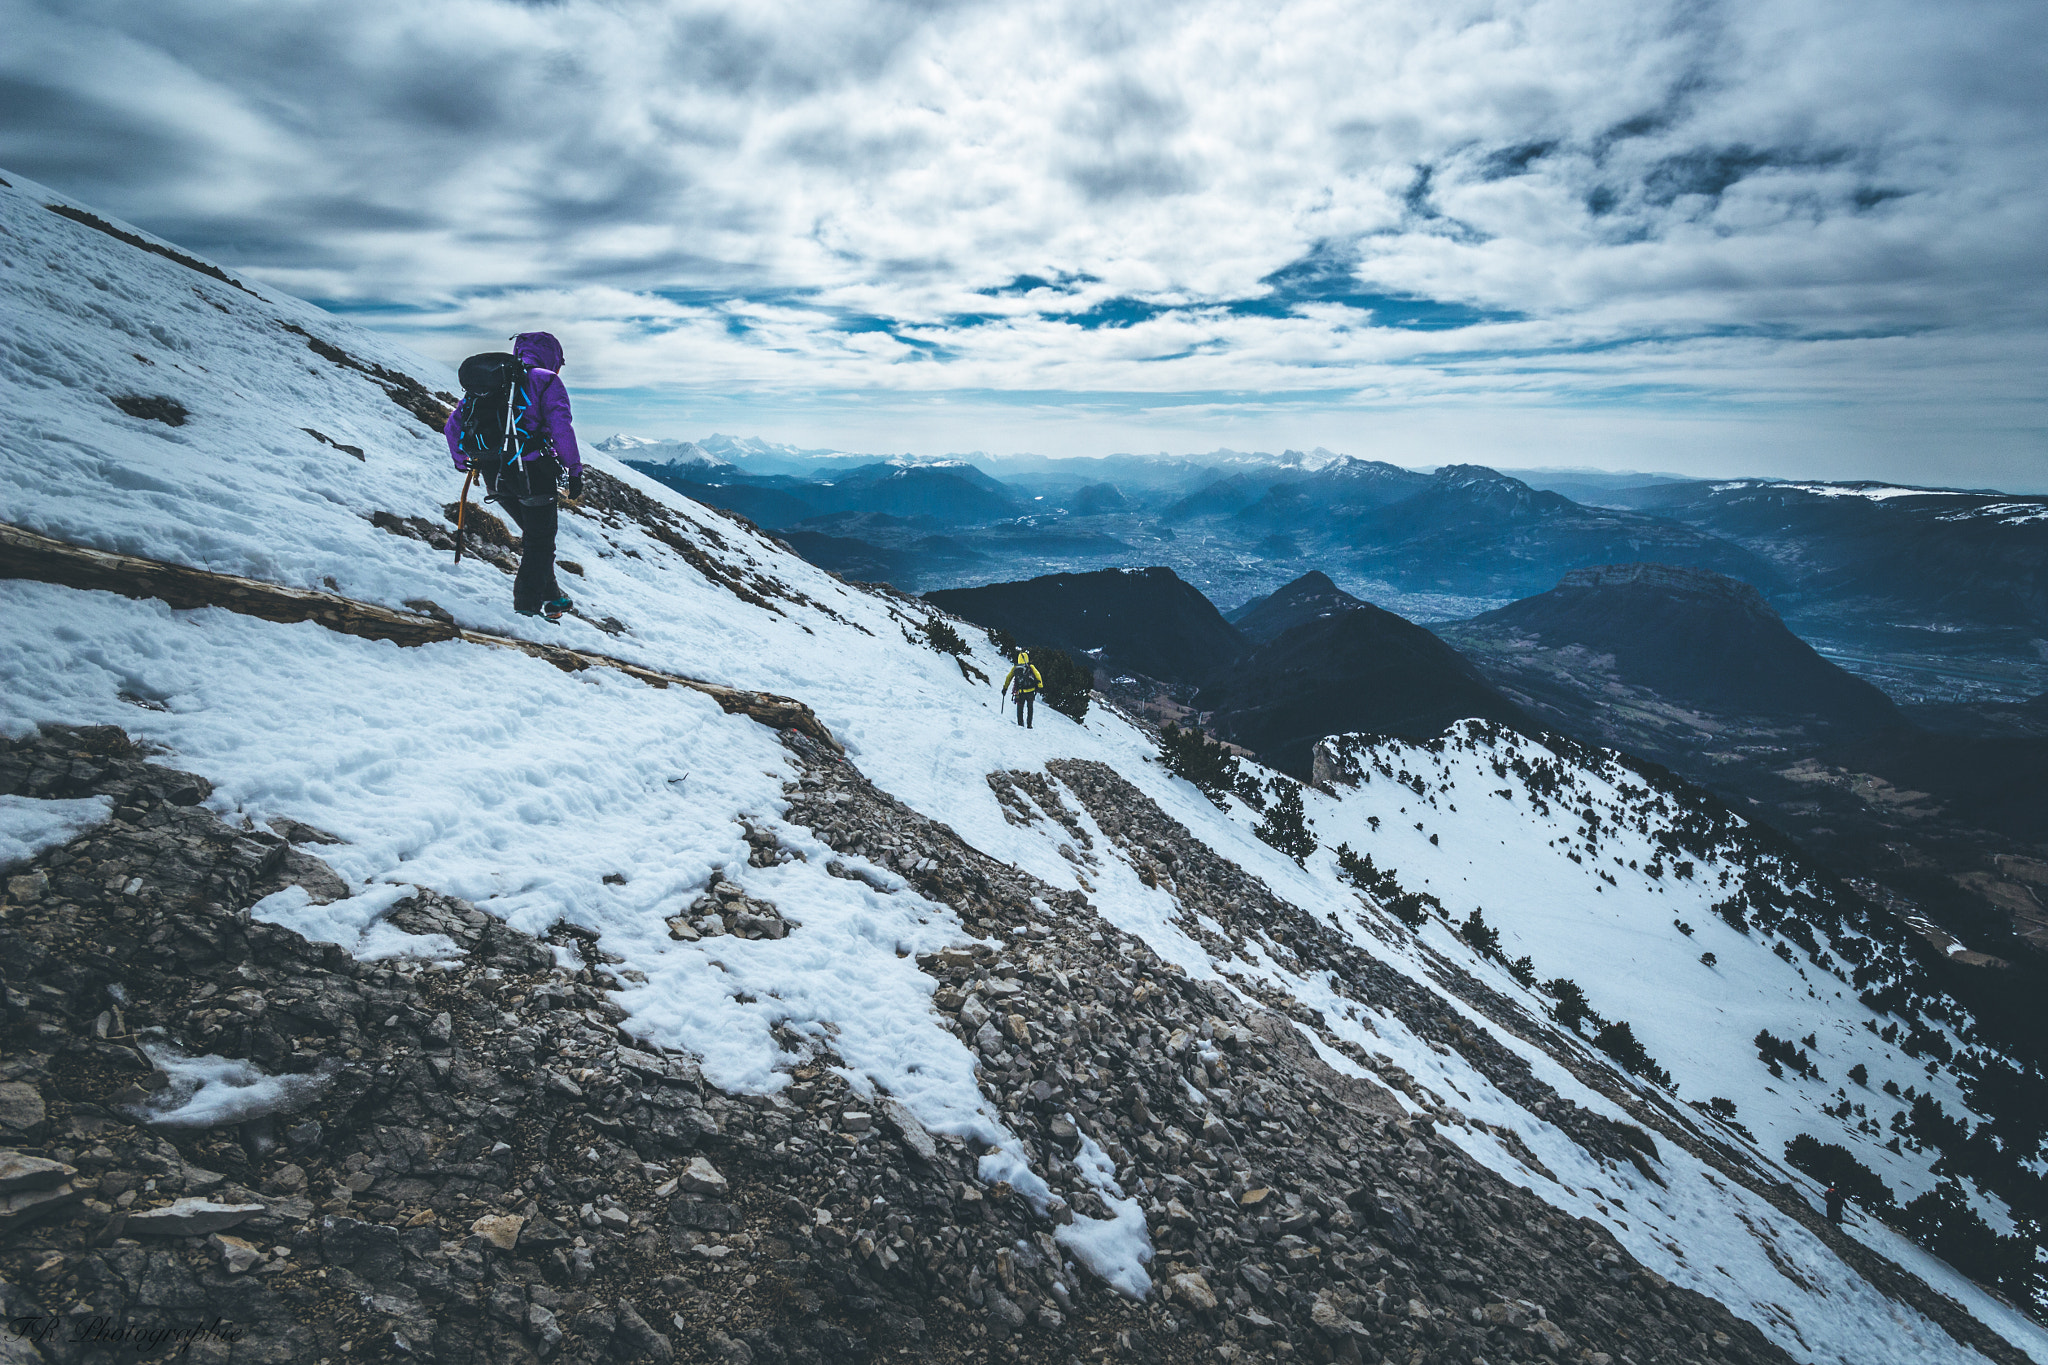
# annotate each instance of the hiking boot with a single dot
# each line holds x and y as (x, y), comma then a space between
(527, 611)
(554, 610)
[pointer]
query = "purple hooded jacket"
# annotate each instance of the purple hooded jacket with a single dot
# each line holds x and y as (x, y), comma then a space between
(548, 410)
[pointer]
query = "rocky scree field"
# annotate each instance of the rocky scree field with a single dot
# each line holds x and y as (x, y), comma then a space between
(494, 1171)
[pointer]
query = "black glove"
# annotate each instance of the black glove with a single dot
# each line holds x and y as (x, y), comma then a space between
(575, 488)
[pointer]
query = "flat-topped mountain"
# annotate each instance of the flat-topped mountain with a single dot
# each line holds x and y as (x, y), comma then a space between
(1144, 620)
(951, 494)
(1886, 566)
(1695, 637)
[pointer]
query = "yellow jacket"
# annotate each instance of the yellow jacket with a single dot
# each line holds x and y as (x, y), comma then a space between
(1028, 679)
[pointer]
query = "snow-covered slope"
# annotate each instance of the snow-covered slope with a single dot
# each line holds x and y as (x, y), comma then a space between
(589, 797)
(1691, 926)
(1772, 998)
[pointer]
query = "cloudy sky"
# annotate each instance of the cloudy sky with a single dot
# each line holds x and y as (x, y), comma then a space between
(1805, 237)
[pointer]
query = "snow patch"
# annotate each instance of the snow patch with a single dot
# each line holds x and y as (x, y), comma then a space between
(30, 828)
(357, 924)
(1117, 1248)
(2005, 513)
(209, 1091)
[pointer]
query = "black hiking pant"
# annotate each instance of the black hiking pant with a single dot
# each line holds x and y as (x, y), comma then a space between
(536, 581)
(1025, 708)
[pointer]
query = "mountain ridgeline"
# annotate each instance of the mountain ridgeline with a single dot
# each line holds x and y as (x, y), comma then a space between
(1311, 597)
(1680, 666)
(1937, 594)
(1477, 532)
(948, 494)
(1309, 660)
(1320, 665)
(1934, 595)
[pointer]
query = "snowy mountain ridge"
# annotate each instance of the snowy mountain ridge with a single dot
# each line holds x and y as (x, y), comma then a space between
(1146, 1080)
(1855, 488)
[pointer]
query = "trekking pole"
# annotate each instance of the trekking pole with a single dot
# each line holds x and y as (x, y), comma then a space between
(462, 512)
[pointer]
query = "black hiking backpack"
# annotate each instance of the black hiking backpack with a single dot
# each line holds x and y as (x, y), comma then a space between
(496, 429)
(494, 403)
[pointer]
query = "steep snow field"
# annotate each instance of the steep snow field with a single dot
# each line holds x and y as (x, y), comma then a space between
(494, 776)
(1603, 904)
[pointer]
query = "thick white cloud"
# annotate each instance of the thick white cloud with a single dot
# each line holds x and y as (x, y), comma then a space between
(1816, 222)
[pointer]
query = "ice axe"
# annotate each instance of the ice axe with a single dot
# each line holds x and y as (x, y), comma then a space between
(461, 513)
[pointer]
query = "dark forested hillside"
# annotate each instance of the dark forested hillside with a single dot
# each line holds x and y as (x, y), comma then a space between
(1694, 637)
(1361, 670)
(1308, 598)
(1145, 620)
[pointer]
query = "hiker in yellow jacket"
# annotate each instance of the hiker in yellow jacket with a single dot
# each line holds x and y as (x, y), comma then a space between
(1023, 682)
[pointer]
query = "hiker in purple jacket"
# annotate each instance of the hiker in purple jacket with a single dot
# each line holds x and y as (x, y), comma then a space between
(541, 448)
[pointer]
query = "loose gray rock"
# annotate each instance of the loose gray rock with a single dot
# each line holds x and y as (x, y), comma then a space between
(640, 1339)
(190, 1218)
(701, 1177)
(21, 1172)
(21, 1108)
(906, 1126)
(21, 1207)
